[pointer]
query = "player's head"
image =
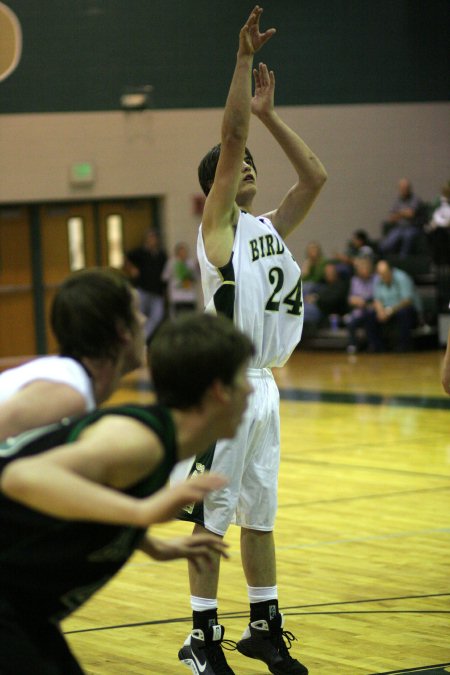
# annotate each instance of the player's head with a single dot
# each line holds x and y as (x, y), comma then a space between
(95, 314)
(190, 353)
(208, 165)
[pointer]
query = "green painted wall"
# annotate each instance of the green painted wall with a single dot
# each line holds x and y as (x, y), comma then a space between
(78, 55)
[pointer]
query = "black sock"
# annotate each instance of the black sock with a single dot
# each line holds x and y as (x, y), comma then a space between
(268, 610)
(205, 620)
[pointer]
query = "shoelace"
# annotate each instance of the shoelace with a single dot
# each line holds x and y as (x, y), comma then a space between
(281, 645)
(229, 645)
(217, 658)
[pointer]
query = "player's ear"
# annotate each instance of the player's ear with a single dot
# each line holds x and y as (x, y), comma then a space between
(123, 332)
(221, 392)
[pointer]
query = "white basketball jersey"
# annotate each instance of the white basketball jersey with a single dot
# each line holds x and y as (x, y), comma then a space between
(59, 369)
(260, 289)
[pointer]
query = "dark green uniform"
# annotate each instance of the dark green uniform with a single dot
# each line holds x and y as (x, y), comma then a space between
(50, 566)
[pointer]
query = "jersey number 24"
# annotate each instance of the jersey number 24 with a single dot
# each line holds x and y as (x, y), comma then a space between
(293, 300)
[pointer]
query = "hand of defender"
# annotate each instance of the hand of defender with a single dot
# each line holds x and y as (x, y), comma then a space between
(199, 549)
(168, 502)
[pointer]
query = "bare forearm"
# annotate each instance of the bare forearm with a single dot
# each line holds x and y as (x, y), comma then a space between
(160, 549)
(62, 494)
(307, 165)
(402, 214)
(199, 549)
(53, 489)
(236, 119)
(12, 423)
(356, 301)
(384, 313)
(24, 410)
(148, 545)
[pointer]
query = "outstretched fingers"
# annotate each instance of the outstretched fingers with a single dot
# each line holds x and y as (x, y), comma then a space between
(167, 502)
(203, 550)
(251, 28)
(263, 98)
(263, 77)
(206, 482)
(195, 489)
(253, 19)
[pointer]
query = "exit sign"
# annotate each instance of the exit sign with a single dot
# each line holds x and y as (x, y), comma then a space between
(82, 173)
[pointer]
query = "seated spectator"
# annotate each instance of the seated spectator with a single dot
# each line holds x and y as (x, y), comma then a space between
(358, 245)
(328, 299)
(313, 267)
(397, 310)
(438, 228)
(180, 274)
(401, 227)
(436, 201)
(360, 299)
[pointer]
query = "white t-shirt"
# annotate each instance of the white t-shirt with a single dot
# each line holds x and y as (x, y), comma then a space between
(54, 368)
(441, 215)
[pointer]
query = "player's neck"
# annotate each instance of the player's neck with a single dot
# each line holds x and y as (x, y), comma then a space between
(195, 432)
(105, 376)
(245, 205)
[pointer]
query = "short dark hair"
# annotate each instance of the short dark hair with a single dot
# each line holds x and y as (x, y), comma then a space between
(362, 236)
(208, 165)
(189, 353)
(86, 310)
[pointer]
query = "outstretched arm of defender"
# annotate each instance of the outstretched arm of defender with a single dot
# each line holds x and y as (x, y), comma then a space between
(84, 480)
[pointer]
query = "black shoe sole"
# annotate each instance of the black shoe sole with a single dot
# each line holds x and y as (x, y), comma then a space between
(274, 670)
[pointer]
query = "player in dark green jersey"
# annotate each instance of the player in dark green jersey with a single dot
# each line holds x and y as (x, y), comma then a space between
(78, 497)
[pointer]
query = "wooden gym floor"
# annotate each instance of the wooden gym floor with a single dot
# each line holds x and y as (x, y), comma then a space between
(362, 533)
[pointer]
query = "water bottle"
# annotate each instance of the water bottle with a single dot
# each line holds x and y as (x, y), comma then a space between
(334, 321)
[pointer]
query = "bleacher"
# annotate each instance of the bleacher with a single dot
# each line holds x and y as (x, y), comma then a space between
(433, 286)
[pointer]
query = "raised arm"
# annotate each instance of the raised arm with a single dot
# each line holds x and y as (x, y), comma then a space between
(309, 169)
(221, 211)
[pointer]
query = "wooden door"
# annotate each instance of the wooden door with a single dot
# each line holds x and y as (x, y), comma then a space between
(64, 249)
(122, 227)
(17, 331)
(65, 237)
